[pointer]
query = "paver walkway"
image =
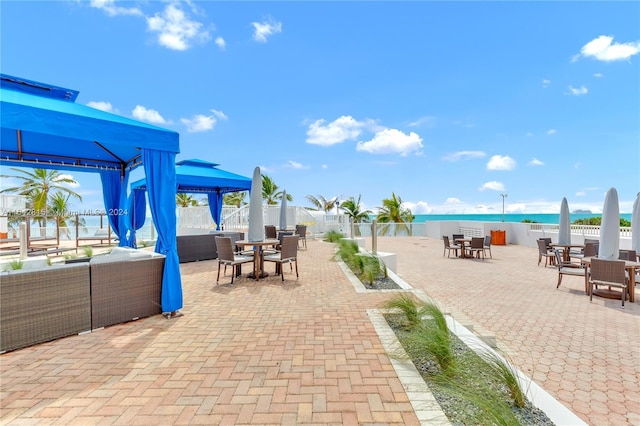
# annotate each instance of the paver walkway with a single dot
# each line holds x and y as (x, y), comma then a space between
(305, 352)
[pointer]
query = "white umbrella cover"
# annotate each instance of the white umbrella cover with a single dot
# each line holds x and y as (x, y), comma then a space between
(564, 233)
(610, 227)
(635, 225)
(256, 220)
(283, 211)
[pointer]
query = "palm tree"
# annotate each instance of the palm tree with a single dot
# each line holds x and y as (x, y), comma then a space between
(59, 207)
(393, 212)
(270, 191)
(36, 186)
(185, 200)
(352, 208)
(321, 203)
(235, 198)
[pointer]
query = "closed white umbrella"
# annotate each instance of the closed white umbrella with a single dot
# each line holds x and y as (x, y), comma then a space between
(564, 233)
(635, 225)
(610, 227)
(256, 220)
(283, 211)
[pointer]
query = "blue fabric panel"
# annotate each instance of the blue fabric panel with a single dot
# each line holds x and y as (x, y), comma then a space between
(215, 206)
(159, 168)
(114, 193)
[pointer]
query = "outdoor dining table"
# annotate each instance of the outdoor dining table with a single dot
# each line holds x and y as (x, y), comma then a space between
(463, 243)
(610, 294)
(566, 248)
(258, 255)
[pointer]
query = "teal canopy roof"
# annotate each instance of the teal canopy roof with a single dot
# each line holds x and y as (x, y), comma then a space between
(43, 127)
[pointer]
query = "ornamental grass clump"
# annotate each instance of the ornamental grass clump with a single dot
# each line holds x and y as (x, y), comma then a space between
(472, 388)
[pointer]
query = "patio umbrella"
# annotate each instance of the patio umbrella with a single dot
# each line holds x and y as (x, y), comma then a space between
(610, 227)
(283, 211)
(564, 234)
(635, 225)
(256, 220)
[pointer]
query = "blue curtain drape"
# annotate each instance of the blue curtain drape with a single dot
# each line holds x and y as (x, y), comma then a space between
(215, 206)
(137, 213)
(159, 168)
(114, 193)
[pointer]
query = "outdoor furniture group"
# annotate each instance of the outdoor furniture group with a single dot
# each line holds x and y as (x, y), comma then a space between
(600, 275)
(473, 247)
(56, 301)
(233, 249)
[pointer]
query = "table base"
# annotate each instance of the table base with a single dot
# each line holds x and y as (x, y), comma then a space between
(262, 274)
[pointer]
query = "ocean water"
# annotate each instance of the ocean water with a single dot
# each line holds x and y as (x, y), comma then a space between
(552, 218)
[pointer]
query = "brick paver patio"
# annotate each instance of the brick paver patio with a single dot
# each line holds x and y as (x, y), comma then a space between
(305, 352)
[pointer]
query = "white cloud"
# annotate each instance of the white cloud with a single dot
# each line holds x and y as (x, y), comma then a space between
(295, 165)
(262, 30)
(202, 123)
(493, 186)
(149, 115)
(427, 121)
(552, 131)
(220, 42)
(110, 8)
(598, 75)
(453, 200)
(546, 83)
(67, 176)
(392, 141)
(578, 91)
(602, 49)
(324, 166)
(501, 162)
(175, 29)
(341, 129)
(420, 207)
(535, 162)
(581, 194)
(103, 106)
(464, 155)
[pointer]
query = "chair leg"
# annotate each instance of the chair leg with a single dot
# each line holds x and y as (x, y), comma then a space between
(282, 271)
(297, 276)
(559, 279)
(218, 278)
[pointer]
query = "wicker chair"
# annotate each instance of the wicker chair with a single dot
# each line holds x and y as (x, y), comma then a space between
(227, 257)
(301, 231)
(477, 247)
(487, 245)
(454, 237)
(288, 254)
(544, 252)
(609, 273)
(448, 247)
(567, 268)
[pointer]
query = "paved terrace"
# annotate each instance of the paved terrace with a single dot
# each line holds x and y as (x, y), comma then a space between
(305, 352)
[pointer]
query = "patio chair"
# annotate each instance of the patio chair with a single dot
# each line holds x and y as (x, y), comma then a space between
(477, 247)
(301, 231)
(609, 273)
(487, 245)
(567, 268)
(544, 252)
(448, 247)
(454, 237)
(270, 231)
(627, 255)
(227, 257)
(288, 254)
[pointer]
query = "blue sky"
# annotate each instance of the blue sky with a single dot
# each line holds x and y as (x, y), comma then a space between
(447, 104)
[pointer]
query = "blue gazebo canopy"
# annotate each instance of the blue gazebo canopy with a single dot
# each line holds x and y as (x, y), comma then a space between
(199, 176)
(43, 127)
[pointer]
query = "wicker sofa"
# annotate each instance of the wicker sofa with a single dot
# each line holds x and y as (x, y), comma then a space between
(125, 286)
(37, 306)
(192, 248)
(45, 304)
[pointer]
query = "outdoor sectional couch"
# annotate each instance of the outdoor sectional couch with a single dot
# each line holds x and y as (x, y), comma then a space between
(192, 248)
(42, 305)
(37, 306)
